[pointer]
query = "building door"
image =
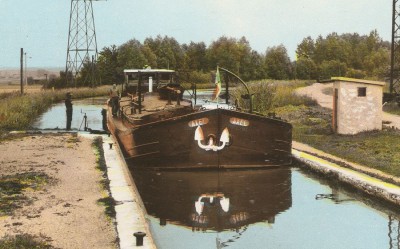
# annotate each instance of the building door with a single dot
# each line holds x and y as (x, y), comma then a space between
(335, 110)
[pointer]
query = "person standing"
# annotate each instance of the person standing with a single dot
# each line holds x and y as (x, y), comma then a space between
(68, 106)
(114, 100)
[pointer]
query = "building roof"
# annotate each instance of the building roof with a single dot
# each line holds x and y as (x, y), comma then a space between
(148, 71)
(371, 82)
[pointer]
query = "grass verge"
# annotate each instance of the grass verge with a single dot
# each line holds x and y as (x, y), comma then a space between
(108, 202)
(375, 149)
(312, 125)
(12, 190)
(24, 241)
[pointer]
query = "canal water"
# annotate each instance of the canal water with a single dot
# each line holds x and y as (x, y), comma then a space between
(274, 208)
(55, 118)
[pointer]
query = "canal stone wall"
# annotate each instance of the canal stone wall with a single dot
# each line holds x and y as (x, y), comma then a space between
(369, 185)
(130, 210)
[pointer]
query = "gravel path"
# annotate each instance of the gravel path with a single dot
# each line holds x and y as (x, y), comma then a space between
(64, 212)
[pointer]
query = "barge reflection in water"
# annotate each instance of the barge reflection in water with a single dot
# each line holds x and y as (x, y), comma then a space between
(213, 200)
(274, 208)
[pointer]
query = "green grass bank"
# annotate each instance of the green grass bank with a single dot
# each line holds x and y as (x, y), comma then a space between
(312, 125)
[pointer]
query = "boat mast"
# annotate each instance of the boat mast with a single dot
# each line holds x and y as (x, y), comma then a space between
(250, 96)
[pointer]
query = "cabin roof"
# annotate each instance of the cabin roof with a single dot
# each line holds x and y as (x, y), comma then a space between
(344, 79)
(131, 71)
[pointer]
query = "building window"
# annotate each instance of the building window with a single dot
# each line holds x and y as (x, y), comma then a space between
(362, 91)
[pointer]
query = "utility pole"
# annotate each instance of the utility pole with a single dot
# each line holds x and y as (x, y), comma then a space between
(22, 71)
(82, 43)
(26, 69)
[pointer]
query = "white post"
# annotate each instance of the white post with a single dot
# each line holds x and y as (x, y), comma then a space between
(150, 84)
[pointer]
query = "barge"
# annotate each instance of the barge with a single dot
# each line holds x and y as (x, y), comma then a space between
(158, 128)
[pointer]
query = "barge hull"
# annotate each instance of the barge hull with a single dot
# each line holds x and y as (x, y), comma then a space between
(254, 141)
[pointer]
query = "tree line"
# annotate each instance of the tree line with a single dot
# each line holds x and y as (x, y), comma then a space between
(347, 55)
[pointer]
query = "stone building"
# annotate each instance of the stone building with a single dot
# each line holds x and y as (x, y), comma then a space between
(357, 105)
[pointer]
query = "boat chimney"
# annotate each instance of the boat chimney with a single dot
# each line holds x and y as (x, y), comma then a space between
(150, 84)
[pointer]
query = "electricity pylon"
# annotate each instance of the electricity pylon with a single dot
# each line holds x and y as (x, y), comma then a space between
(395, 50)
(82, 43)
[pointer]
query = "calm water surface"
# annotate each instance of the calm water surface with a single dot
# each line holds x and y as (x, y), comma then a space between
(55, 117)
(277, 208)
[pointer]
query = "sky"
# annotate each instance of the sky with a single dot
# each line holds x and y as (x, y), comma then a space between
(41, 26)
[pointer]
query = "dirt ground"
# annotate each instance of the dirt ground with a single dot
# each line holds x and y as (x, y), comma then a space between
(316, 91)
(65, 211)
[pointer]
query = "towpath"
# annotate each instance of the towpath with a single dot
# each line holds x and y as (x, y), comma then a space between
(64, 212)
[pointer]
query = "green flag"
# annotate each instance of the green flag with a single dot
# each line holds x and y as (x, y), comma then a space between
(217, 90)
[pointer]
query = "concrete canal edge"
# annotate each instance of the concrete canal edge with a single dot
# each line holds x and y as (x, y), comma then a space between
(130, 210)
(357, 176)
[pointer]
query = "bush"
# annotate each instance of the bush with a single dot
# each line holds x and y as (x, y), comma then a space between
(269, 95)
(196, 77)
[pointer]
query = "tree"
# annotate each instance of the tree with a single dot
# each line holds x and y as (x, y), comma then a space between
(235, 55)
(306, 69)
(130, 55)
(195, 56)
(332, 68)
(306, 48)
(108, 66)
(246, 69)
(256, 66)
(377, 63)
(348, 54)
(167, 50)
(150, 56)
(277, 63)
(224, 52)
(333, 47)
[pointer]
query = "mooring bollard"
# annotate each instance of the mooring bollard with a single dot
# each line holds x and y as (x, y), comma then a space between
(111, 144)
(139, 238)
